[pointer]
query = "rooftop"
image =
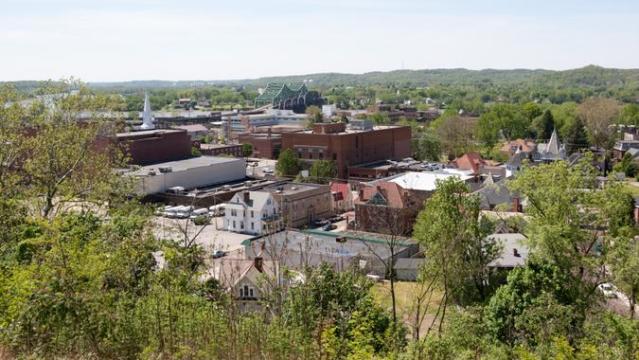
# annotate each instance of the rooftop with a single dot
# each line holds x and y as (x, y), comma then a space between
(426, 181)
(186, 164)
(514, 250)
(291, 188)
(355, 131)
(147, 133)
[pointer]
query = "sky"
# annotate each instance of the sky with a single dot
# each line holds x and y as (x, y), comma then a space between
(119, 40)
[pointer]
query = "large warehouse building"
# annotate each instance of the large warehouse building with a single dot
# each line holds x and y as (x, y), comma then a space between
(188, 174)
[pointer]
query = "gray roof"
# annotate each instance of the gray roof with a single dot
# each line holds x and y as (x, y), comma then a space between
(510, 243)
(258, 199)
(492, 194)
(186, 164)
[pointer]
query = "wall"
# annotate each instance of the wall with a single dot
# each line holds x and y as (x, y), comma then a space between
(161, 146)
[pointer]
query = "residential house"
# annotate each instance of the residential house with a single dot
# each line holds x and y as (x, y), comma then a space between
(252, 212)
(341, 197)
(623, 146)
(514, 251)
(509, 149)
(495, 194)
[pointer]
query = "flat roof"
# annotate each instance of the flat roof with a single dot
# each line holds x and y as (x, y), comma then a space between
(218, 146)
(424, 181)
(147, 132)
(356, 131)
(291, 188)
(186, 164)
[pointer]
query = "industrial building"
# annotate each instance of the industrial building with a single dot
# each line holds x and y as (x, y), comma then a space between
(155, 146)
(184, 175)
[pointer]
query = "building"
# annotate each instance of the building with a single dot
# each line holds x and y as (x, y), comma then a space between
(342, 250)
(408, 269)
(188, 174)
(514, 251)
(302, 203)
(341, 197)
(510, 148)
(497, 195)
(246, 280)
(390, 205)
(265, 146)
(359, 143)
(553, 150)
(252, 212)
(623, 146)
(155, 146)
(472, 162)
(221, 149)
(196, 132)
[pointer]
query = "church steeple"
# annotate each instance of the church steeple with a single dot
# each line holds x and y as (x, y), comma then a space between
(147, 115)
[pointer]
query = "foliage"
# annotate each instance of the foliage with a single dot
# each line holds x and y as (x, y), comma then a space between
(247, 150)
(627, 166)
(322, 172)
(288, 163)
(598, 114)
(427, 147)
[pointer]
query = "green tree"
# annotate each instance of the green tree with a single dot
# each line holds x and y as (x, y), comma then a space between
(287, 163)
(598, 115)
(625, 268)
(247, 150)
(322, 171)
(427, 147)
(627, 166)
(453, 239)
(575, 136)
(313, 115)
(544, 125)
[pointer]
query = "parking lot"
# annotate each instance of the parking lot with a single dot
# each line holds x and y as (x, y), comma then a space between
(211, 237)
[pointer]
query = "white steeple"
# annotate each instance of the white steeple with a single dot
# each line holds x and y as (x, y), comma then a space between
(147, 115)
(553, 144)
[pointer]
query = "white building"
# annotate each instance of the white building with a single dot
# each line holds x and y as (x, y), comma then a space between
(252, 212)
(188, 174)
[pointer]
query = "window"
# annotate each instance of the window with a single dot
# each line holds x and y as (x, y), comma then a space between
(334, 156)
(251, 292)
(233, 224)
(233, 212)
(242, 225)
(252, 213)
(252, 226)
(321, 156)
(241, 293)
(246, 291)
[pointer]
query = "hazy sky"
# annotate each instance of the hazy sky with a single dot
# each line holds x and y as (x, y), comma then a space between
(112, 40)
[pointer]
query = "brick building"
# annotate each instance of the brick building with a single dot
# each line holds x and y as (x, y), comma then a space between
(221, 149)
(155, 146)
(266, 146)
(302, 203)
(359, 143)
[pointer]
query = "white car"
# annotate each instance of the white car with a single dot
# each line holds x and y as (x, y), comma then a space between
(608, 290)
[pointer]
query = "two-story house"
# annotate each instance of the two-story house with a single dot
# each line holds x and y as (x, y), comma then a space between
(252, 212)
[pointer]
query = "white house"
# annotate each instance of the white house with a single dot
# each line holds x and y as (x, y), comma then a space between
(252, 212)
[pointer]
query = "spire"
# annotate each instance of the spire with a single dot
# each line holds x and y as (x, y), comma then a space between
(553, 144)
(147, 115)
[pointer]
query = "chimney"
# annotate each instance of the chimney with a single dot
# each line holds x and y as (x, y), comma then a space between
(247, 197)
(259, 263)
(516, 204)
(516, 253)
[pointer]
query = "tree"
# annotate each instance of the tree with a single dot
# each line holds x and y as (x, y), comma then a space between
(630, 115)
(313, 115)
(427, 147)
(625, 268)
(455, 244)
(575, 136)
(322, 171)
(288, 163)
(627, 166)
(598, 115)
(247, 150)
(544, 125)
(502, 119)
(456, 135)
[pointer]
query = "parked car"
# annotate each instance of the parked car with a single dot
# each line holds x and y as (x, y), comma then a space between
(336, 218)
(199, 212)
(329, 227)
(183, 212)
(216, 210)
(320, 222)
(608, 290)
(218, 254)
(171, 211)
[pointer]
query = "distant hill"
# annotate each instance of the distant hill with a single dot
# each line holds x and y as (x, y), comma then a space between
(589, 76)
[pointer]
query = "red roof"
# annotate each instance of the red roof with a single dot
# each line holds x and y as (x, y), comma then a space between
(340, 190)
(392, 192)
(470, 161)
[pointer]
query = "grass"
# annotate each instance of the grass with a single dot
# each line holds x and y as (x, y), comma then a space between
(405, 294)
(633, 187)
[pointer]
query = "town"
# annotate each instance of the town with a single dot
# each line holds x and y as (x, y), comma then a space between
(319, 180)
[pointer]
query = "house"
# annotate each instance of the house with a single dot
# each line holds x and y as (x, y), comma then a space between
(472, 162)
(623, 146)
(511, 148)
(553, 150)
(514, 251)
(495, 194)
(341, 197)
(248, 279)
(252, 212)
(390, 205)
